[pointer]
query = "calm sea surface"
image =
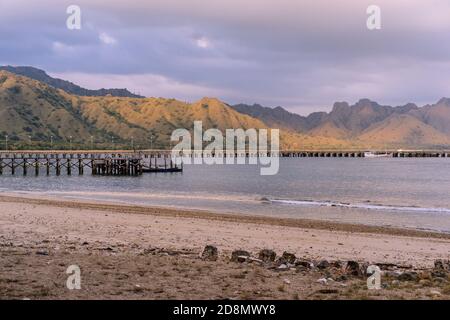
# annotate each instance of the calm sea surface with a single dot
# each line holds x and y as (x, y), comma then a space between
(413, 193)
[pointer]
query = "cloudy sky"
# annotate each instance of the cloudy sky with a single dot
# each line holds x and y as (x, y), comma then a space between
(300, 54)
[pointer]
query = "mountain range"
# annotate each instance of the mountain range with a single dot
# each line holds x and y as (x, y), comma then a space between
(366, 123)
(35, 107)
(69, 87)
(33, 112)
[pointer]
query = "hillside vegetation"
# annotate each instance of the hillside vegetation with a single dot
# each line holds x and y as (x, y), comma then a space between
(34, 114)
(33, 111)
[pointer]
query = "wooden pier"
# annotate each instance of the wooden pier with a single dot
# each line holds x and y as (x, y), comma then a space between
(364, 154)
(95, 163)
(335, 154)
(136, 163)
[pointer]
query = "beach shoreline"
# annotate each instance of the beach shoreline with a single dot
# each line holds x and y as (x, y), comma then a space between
(48, 234)
(319, 224)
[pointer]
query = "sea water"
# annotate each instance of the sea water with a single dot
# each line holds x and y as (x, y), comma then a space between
(404, 192)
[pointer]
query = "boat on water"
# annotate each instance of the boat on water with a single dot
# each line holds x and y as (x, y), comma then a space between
(370, 154)
(162, 169)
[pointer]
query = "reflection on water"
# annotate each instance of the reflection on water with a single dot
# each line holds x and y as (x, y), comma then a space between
(383, 191)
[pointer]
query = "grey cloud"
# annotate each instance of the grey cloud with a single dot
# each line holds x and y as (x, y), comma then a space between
(300, 54)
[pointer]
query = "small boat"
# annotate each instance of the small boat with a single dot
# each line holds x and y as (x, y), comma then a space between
(370, 154)
(162, 169)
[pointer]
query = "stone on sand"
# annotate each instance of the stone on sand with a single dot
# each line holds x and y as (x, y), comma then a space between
(353, 269)
(210, 253)
(287, 258)
(239, 256)
(267, 255)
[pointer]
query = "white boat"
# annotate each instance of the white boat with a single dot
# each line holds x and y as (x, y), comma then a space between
(370, 154)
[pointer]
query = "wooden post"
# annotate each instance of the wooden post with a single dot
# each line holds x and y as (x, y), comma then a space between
(58, 168)
(24, 166)
(36, 166)
(69, 167)
(13, 167)
(1, 166)
(80, 167)
(48, 167)
(92, 167)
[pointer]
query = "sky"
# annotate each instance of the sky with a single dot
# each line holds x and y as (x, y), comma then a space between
(300, 54)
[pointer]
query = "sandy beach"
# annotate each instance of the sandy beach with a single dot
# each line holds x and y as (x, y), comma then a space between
(152, 253)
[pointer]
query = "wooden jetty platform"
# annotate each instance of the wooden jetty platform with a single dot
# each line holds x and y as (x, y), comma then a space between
(96, 163)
